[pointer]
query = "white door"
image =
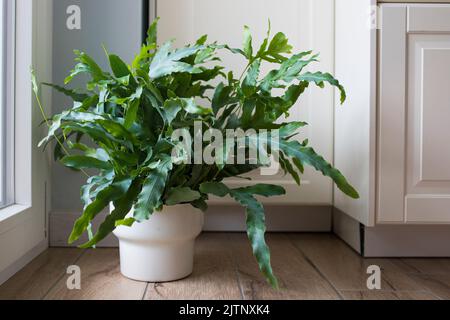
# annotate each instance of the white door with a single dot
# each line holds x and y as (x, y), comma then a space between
(414, 157)
(309, 25)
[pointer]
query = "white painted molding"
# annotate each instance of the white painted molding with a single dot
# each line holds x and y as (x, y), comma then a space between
(348, 229)
(395, 241)
(218, 219)
(407, 241)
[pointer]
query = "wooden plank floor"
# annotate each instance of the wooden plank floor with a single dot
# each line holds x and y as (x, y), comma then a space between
(308, 266)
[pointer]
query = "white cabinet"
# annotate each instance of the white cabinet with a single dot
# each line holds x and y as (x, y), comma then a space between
(414, 114)
(393, 137)
(355, 121)
(309, 24)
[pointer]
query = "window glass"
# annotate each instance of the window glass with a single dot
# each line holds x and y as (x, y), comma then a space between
(6, 101)
(3, 106)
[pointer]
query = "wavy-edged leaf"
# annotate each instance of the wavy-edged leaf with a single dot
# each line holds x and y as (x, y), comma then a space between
(265, 190)
(190, 106)
(127, 222)
(256, 229)
(119, 131)
(215, 188)
(54, 127)
(200, 204)
(248, 109)
(181, 195)
(123, 206)
(171, 109)
(152, 191)
(221, 97)
(73, 94)
(86, 65)
(307, 155)
(249, 85)
(205, 55)
(152, 33)
(320, 78)
(263, 47)
(119, 68)
(111, 193)
(73, 117)
(287, 166)
(299, 165)
(34, 83)
(278, 46)
(293, 93)
(247, 44)
(289, 129)
(95, 184)
(288, 71)
(85, 162)
(96, 132)
(140, 61)
(166, 62)
(131, 113)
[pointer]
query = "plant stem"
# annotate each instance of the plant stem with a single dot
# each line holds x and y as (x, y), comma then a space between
(245, 70)
(54, 135)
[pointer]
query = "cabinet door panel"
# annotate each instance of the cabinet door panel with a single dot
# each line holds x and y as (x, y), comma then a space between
(428, 135)
(429, 18)
(429, 105)
(309, 25)
(414, 131)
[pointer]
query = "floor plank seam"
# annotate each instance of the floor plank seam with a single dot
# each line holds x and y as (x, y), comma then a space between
(405, 261)
(62, 276)
(434, 295)
(145, 291)
(385, 291)
(427, 277)
(311, 263)
(389, 283)
(393, 292)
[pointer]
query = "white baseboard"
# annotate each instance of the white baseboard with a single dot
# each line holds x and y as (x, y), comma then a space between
(18, 265)
(407, 241)
(399, 241)
(286, 218)
(218, 219)
(347, 229)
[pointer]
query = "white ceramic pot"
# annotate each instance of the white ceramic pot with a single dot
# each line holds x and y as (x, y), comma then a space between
(162, 248)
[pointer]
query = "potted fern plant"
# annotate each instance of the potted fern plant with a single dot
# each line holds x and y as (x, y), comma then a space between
(125, 126)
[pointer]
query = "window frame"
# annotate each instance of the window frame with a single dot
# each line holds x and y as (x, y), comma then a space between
(8, 100)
